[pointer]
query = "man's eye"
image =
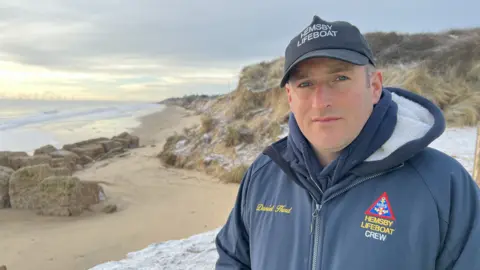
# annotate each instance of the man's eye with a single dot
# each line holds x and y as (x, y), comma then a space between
(342, 78)
(304, 84)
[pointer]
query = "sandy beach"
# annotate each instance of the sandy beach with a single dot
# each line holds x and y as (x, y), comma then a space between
(155, 204)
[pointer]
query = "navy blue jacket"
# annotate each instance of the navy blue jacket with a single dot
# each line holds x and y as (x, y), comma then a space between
(389, 201)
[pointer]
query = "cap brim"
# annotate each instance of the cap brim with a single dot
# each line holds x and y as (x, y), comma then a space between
(339, 54)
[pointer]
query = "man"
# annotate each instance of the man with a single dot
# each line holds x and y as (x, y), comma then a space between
(354, 185)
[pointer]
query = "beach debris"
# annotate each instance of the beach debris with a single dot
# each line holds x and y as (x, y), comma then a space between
(66, 196)
(44, 181)
(92, 151)
(24, 183)
(92, 148)
(51, 191)
(102, 148)
(112, 153)
(59, 196)
(109, 208)
(17, 162)
(124, 154)
(85, 143)
(65, 154)
(47, 149)
(71, 155)
(60, 162)
(5, 157)
(128, 140)
(92, 192)
(86, 160)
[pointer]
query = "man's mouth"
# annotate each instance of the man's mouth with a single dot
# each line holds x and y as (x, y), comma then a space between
(325, 119)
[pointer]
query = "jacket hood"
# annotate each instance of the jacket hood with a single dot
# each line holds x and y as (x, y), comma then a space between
(401, 125)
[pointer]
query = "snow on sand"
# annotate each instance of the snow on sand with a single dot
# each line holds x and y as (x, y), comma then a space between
(198, 251)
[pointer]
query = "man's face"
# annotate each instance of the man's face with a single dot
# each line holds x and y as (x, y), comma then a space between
(331, 101)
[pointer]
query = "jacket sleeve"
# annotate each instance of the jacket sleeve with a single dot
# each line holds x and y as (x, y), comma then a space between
(232, 242)
(461, 250)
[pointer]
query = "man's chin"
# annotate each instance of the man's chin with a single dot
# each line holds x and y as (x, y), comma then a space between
(327, 145)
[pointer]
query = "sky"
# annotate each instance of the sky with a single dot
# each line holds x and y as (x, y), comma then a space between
(150, 50)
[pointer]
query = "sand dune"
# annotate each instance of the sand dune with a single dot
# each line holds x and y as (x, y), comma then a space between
(155, 204)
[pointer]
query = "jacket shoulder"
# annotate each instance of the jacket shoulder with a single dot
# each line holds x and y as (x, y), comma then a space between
(432, 163)
(445, 177)
(435, 156)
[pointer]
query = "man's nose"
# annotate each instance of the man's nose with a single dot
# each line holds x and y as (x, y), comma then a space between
(322, 97)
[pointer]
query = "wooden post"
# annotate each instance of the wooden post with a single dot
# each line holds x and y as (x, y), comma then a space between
(476, 162)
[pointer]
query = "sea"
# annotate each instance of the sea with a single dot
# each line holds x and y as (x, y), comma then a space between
(26, 125)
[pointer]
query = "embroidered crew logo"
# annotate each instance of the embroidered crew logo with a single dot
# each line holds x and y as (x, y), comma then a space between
(381, 208)
(379, 219)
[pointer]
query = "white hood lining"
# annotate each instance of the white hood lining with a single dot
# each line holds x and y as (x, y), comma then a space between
(413, 122)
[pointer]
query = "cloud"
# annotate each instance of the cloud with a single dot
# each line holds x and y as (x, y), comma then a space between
(106, 47)
(31, 81)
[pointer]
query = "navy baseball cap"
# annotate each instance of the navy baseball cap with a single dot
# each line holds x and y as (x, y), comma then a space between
(338, 40)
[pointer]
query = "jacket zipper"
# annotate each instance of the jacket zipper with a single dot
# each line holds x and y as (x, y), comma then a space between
(314, 224)
(316, 232)
(318, 208)
(316, 202)
(315, 227)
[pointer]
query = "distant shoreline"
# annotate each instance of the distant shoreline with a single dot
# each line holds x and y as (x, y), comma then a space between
(26, 129)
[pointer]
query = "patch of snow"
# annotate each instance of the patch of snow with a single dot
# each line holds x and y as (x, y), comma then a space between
(183, 148)
(194, 253)
(458, 143)
(198, 251)
(180, 144)
(207, 138)
(216, 157)
(101, 196)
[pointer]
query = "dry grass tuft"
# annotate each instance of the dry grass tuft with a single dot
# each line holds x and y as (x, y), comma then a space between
(459, 58)
(263, 76)
(243, 102)
(441, 49)
(253, 89)
(232, 137)
(235, 175)
(208, 123)
(167, 156)
(277, 100)
(459, 101)
(272, 130)
(236, 135)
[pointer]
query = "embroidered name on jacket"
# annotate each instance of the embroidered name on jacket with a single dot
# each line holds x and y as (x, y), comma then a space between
(379, 219)
(274, 208)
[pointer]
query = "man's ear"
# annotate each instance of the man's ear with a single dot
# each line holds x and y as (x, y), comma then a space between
(289, 93)
(376, 86)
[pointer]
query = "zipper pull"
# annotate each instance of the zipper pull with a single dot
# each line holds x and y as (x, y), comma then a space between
(314, 217)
